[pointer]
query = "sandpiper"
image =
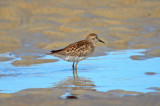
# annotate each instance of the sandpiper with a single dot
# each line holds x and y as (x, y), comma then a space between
(78, 51)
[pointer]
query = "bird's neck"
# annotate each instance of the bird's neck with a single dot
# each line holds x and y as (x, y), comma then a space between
(92, 42)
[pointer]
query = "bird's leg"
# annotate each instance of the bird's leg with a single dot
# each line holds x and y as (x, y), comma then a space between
(76, 69)
(76, 65)
(73, 70)
(73, 65)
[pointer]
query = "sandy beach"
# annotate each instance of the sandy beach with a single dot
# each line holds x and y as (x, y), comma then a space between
(48, 97)
(30, 29)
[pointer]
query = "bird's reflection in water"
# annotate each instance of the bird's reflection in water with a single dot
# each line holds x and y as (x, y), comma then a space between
(76, 83)
(75, 86)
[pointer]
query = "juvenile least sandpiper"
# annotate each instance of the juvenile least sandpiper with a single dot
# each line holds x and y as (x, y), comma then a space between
(78, 51)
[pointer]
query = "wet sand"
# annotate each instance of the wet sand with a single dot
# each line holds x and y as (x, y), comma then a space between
(29, 26)
(30, 29)
(48, 97)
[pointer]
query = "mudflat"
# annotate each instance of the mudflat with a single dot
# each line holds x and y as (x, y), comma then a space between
(30, 29)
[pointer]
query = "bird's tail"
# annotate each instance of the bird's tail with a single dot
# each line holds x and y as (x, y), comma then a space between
(54, 52)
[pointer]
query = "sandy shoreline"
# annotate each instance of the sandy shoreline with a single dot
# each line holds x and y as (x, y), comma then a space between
(122, 24)
(48, 97)
(29, 29)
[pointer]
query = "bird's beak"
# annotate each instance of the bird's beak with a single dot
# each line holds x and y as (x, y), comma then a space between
(100, 40)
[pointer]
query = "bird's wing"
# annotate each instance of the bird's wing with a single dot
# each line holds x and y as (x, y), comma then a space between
(80, 48)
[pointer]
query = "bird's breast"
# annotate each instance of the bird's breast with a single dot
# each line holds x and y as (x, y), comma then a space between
(74, 58)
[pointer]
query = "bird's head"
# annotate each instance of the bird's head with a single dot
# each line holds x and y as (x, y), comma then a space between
(93, 38)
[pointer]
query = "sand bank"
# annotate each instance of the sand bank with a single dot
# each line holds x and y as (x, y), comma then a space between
(31, 28)
(54, 24)
(48, 97)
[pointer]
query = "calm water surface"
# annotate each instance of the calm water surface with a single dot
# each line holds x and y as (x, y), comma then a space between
(116, 70)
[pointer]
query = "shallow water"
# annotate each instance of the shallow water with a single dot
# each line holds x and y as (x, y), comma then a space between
(116, 70)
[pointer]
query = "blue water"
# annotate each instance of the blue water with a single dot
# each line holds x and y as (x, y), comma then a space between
(116, 70)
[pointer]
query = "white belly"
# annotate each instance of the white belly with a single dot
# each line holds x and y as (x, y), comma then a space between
(73, 58)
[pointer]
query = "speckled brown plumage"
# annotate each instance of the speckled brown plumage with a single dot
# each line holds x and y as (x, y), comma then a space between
(78, 51)
(80, 48)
